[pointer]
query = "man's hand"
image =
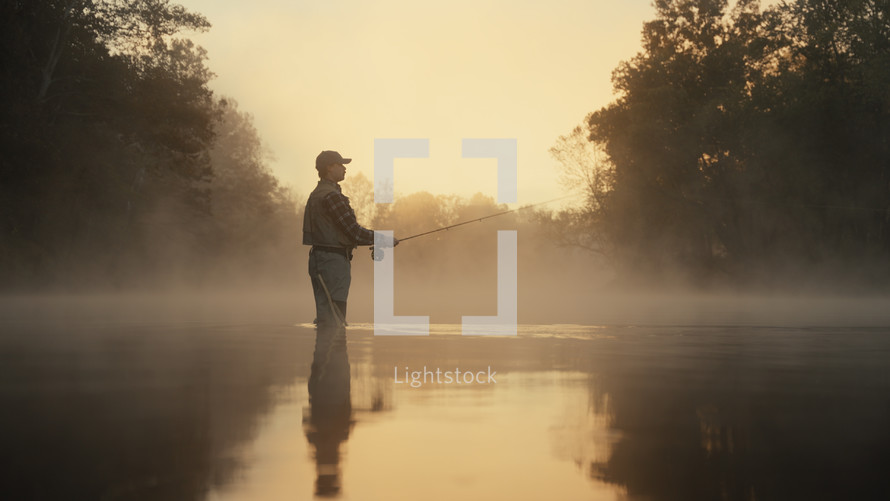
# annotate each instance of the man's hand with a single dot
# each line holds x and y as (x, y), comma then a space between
(386, 242)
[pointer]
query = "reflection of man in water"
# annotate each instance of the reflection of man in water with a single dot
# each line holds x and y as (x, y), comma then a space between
(331, 414)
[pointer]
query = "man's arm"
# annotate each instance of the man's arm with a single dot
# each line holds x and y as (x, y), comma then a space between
(338, 205)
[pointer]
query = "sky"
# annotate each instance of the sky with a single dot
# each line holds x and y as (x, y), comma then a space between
(340, 74)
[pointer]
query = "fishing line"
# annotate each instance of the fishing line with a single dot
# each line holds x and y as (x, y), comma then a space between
(378, 255)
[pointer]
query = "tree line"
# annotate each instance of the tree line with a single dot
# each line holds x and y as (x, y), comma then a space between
(118, 162)
(744, 143)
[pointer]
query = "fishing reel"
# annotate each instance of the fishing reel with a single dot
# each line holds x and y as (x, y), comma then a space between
(376, 254)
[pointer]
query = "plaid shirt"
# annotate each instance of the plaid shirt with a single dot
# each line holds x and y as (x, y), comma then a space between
(336, 204)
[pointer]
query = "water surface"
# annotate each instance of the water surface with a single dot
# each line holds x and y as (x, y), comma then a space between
(143, 407)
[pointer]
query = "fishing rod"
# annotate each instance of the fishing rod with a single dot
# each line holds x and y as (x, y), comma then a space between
(378, 255)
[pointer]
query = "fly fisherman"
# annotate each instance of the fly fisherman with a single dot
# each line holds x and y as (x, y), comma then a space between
(330, 227)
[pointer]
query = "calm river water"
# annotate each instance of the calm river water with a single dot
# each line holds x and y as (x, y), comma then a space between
(148, 406)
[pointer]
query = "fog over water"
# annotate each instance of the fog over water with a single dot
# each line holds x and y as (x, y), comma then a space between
(540, 306)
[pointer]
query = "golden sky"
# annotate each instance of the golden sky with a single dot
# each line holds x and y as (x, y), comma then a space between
(338, 74)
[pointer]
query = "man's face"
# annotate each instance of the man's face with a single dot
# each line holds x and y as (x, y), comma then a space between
(337, 172)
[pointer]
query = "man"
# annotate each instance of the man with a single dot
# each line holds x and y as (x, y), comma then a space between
(329, 226)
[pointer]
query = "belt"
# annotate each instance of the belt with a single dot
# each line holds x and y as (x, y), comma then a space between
(343, 251)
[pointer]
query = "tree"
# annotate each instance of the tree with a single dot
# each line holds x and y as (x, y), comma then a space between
(586, 171)
(745, 141)
(670, 135)
(106, 119)
(250, 208)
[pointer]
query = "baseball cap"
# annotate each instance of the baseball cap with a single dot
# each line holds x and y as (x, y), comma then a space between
(328, 157)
